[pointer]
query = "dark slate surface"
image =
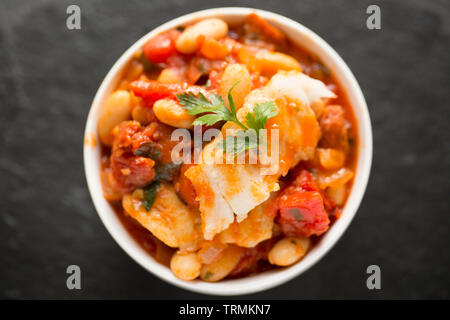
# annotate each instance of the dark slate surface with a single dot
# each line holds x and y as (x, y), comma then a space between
(49, 75)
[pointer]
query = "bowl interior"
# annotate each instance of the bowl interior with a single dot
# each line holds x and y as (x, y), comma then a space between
(299, 35)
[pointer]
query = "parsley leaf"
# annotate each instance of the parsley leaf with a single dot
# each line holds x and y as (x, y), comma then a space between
(296, 214)
(249, 139)
(149, 150)
(150, 195)
(243, 141)
(261, 113)
(163, 172)
(214, 110)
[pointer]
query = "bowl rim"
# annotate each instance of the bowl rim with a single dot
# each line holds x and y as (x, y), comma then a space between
(262, 281)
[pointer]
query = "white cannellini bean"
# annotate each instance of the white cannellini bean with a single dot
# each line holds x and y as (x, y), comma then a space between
(185, 266)
(221, 268)
(271, 62)
(168, 111)
(171, 75)
(141, 114)
(288, 250)
(232, 74)
(210, 28)
(116, 109)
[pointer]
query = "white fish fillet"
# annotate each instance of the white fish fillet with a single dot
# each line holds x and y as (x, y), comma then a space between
(226, 190)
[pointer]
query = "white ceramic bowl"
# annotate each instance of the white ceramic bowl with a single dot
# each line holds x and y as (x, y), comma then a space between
(298, 34)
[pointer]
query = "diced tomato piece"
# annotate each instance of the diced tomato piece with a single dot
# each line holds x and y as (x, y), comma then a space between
(131, 172)
(302, 207)
(303, 214)
(306, 182)
(153, 90)
(128, 170)
(159, 48)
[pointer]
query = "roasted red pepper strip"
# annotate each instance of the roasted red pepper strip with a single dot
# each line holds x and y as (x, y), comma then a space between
(154, 90)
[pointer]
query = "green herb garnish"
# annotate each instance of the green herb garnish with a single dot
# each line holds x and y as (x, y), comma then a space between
(214, 108)
(216, 111)
(261, 113)
(244, 140)
(150, 195)
(163, 172)
(296, 214)
(149, 150)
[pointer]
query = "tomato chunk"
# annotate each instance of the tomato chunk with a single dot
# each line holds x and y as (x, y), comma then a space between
(151, 90)
(302, 207)
(306, 182)
(154, 90)
(159, 48)
(128, 170)
(303, 214)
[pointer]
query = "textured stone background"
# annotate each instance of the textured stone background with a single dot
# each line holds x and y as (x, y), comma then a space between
(49, 75)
